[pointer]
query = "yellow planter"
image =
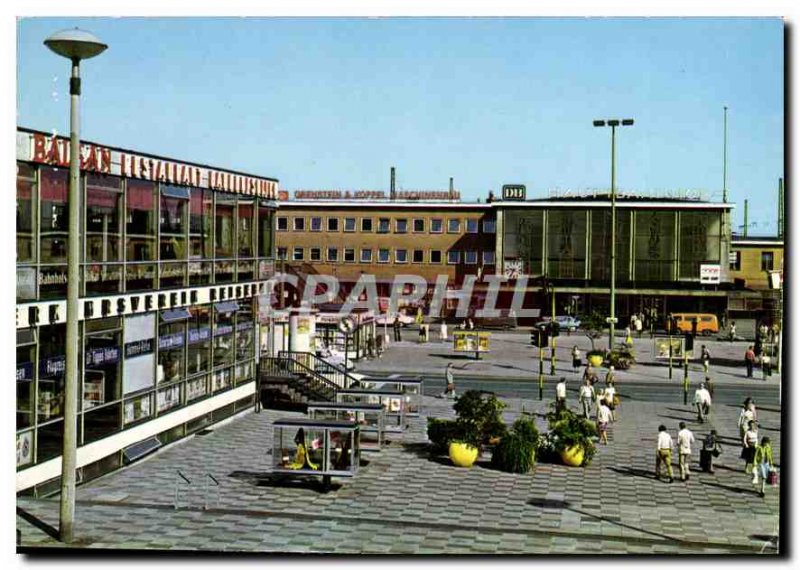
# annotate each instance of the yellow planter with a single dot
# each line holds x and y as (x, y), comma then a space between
(462, 454)
(595, 360)
(572, 456)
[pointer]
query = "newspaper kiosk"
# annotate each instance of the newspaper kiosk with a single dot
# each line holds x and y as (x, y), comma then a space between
(393, 403)
(369, 418)
(411, 386)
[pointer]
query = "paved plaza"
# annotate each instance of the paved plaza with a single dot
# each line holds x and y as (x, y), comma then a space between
(403, 501)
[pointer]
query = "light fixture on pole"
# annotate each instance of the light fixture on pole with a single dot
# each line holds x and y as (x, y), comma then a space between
(75, 45)
(613, 123)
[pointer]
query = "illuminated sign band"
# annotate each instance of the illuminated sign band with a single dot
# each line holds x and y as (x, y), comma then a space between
(54, 150)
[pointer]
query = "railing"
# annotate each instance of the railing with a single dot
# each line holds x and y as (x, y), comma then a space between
(183, 480)
(213, 480)
(297, 372)
(179, 480)
(339, 376)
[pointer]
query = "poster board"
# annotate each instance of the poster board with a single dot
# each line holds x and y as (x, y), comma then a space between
(661, 347)
(471, 341)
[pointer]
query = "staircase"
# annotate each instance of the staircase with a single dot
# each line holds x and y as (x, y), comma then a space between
(292, 379)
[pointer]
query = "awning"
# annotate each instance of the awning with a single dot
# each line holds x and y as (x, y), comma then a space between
(175, 315)
(226, 306)
(140, 449)
(175, 192)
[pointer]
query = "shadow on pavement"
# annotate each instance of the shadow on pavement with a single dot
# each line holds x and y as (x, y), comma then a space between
(50, 531)
(280, 480)
(738, 490)
(632, 472)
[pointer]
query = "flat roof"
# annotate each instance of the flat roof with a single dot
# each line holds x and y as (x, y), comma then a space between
(638, 204)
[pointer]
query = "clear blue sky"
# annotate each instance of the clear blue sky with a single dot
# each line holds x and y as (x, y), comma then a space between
(334, 103)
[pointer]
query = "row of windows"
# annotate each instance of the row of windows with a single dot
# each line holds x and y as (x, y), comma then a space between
(454, 256)
(767, 261)
(384, 226)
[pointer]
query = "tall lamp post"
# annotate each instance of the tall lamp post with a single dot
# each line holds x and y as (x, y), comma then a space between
(613, 123)
(75, 45)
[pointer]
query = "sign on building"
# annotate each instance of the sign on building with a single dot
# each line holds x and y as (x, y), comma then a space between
(514, 192)
(710, 273)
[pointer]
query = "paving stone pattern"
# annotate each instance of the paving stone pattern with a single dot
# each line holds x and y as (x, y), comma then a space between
(404, 501)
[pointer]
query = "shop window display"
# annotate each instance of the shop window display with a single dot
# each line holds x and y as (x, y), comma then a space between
(52, 361)
(199, 340)
(223, 334)
(26, 357)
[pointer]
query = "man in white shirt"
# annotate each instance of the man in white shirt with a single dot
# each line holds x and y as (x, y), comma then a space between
(702, 401)
(586, 397)
(664, 452)
(561, 394)
(603, 417)
(685, 441)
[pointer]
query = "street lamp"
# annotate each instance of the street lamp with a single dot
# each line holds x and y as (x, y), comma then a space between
(75, 45)
(613, 123)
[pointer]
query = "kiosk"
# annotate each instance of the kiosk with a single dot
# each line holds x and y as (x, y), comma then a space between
(393, 403)
(369, 418)
(411, 386)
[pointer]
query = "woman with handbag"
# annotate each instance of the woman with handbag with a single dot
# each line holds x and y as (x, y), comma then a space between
(711, 449)
(763, 463)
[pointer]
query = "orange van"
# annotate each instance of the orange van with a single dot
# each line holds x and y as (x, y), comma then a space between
(707, 323)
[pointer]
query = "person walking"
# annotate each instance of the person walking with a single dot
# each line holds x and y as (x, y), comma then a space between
(749, 360)
(443, 331)
(685, 441)
(450, 385)
(586, 396)
(603, 417)
(763, 463)
(638, 326)
(749, 443)
(561, 394)
(610, 375)
(576, 358)
(711, 449)
(664, 452)
(628, 337)
(766, 366)
(706, 357)
(747, 414)
(610, 397)
(733, 331)
(396, 326)
(590, 374)
(702, 402)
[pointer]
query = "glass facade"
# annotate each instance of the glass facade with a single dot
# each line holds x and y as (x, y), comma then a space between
(140, 236)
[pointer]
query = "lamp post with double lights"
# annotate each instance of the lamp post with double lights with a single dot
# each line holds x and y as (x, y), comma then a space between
(75, 45)
(613, 123)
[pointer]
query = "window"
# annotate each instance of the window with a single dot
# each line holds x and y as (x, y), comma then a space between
(200, 220)
(349, 255)
(488, 257)
(418, 256)
(283, 224)
(282, 251)
(472, 226)
(471, 257)
(26, 179)
(316, 224)
(383, 255)
(366, 224)
(767, 260)
(224, 227)
(54, 217)
(349, 224)
(401, 256)
(315, 254)
(297, 254)
(453, 256)
(103, 218)
(383, 225)
(436, 256)
(453, 225)
(299, 224)
(141, 230)
(419, 225)
(366, 256)
(488, 226)
(265, 235)
(735, 261)
(245, 235)
(174, 206)
(333, 254)
(436, 225)
(333, 224)
(401, 226)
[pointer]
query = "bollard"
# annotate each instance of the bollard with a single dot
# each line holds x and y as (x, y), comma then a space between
(541, 373)
(685, 378)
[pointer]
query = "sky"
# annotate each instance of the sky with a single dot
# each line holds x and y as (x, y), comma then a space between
(334, 103)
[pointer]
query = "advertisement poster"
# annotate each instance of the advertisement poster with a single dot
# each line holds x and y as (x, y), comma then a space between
(24, 448)
(661, 347)
(471, 341)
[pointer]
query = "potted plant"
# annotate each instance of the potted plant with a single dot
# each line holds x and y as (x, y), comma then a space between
(622, 357)
(465, 447)
(594, 325)
(516, 452)
(572, 437)
(478, 422)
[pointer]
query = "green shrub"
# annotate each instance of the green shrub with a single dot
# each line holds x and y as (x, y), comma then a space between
(568, 429)
(526, 428)
(622, 357)
(441, 433)
(514, 454)
(481, 411)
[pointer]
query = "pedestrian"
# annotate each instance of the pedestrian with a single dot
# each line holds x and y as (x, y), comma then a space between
(576, 358)
(628, 337)
(766, 366)
(610, 375)
(664, 452)
(450, 385)
(733, 331)
(470, 324)
(706, 357)
(749, 442)
(610, 397)
(711, 449)
(443, 331)
(763, 463)
(396, 326)
(638, 326)
(590, 374)
(749, 360)
(418, 317)
(702, 402)
(747, 414)
(421, 337)
(599, 399)
(586, 396)
(603, 417)
(685, 441)
(561, 394)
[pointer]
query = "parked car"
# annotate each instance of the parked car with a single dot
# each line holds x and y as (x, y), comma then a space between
(706, 323)
(565, 322)
(505, 320)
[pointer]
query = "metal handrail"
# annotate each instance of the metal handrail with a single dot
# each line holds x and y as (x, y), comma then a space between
(341, 377)
(205, 490)
(288, 361)
(186, 480)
